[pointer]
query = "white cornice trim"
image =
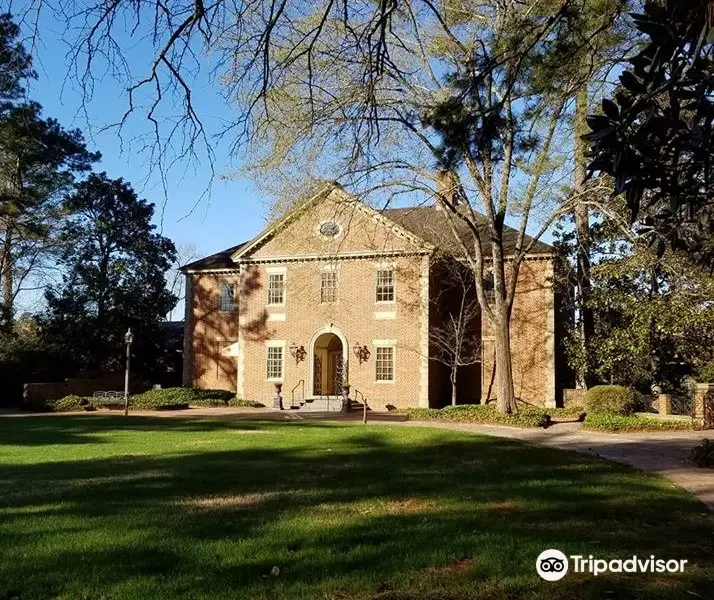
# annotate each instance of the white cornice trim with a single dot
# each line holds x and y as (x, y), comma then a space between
(332, 257)
(215, 271)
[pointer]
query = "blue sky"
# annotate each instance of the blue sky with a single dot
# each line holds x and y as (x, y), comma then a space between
(194, 209)
(232, 211)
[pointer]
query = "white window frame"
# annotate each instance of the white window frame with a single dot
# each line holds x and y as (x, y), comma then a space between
(378, 269)
(382, 344)
(332, 271)
(221, 307)
(270, 344)
(274, 271)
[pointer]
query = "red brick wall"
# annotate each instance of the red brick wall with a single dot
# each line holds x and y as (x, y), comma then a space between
(209, 331)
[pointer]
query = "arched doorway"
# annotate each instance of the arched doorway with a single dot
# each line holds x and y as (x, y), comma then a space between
(328, 368)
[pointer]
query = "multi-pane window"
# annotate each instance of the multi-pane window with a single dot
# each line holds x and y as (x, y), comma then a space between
(276, 288)
(275, 362)
(385, 364)
(227, 302)
(385, 285)
(328, 286)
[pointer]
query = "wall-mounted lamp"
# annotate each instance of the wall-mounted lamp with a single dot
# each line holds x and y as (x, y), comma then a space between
(361, 352)
(298, 352)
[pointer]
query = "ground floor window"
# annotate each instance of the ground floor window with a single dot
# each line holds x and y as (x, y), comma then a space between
(275, 363)
(384, 363)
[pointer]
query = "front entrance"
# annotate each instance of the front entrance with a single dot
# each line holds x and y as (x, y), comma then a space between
(327, 365)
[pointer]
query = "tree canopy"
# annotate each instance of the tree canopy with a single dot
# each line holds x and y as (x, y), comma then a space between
(115, 278)
(655, 136)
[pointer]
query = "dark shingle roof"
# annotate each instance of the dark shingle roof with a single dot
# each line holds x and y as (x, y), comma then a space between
(427, 222)
(219, 260)
(431, 225)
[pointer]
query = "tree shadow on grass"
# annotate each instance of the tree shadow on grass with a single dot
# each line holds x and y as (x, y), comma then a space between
(345, 512)
(90, 429)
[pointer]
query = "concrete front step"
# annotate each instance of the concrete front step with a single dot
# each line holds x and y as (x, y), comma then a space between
(318, 404)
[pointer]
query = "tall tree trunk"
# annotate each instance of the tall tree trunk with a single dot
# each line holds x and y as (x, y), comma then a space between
(453, 385)
(582, 229)
(504, 364)
(7, 278)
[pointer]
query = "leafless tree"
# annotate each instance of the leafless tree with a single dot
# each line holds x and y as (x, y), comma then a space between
(454, 340)
(372, 91)
(175, 279)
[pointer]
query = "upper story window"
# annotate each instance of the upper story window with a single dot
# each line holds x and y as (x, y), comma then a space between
(385, 285)
(328, 286)
(276, 288)
(227, 300)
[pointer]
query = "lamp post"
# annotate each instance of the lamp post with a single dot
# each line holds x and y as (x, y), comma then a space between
(128, 338)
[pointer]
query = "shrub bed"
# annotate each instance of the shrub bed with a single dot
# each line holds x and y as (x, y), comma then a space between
(615, 422)
(613, 399)
(162, 399)
(482, 413)
(71, 403)
(210, 397)
(244, 403)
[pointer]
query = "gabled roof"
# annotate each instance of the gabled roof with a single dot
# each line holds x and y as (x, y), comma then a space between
(325, 191)
(432, 225)
(427, 225)
(219, 260)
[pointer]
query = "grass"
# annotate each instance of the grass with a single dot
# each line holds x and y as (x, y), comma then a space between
(106, 508)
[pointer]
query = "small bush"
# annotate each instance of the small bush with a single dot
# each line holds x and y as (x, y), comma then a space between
(162, 399)
(613, 399)
(71, 403)
(703, 454)
(482, 413)
(616, 422)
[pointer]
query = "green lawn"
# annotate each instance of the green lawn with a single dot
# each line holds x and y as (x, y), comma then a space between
(105, 508)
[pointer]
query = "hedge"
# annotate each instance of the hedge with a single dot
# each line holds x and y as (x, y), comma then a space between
(159, 399)
(482, 413)
(615, 422)
(613, 399)
(71, 403)
(162, 399)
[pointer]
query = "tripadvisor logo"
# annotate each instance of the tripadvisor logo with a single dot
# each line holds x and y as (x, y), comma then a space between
(552, 565)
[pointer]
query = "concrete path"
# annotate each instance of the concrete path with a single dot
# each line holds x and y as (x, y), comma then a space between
(664, 453)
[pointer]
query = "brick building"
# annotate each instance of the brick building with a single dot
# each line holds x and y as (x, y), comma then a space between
(337, 291)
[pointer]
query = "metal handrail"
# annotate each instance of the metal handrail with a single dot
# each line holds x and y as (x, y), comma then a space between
(292, 392)
(364, 405)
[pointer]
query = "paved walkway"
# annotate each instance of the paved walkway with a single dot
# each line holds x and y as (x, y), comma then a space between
(664, 453)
